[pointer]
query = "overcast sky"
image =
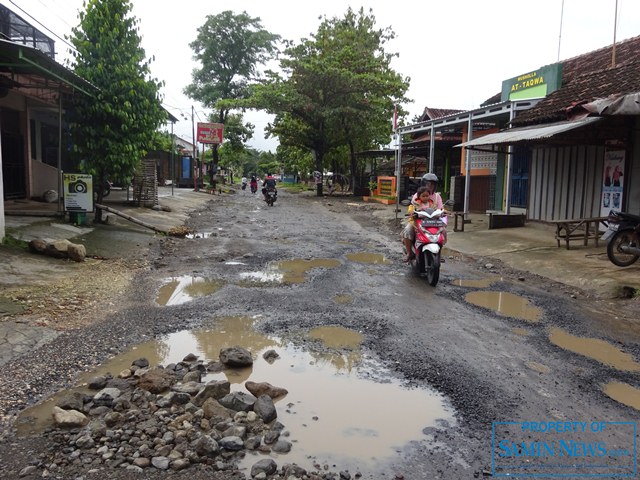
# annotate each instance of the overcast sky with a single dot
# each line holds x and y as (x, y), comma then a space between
(457, 52)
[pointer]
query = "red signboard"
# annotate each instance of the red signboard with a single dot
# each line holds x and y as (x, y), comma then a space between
(210, 132)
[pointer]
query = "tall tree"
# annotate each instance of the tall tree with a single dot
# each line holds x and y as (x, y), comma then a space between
(337, 88)
(112, 132)
(229, 48)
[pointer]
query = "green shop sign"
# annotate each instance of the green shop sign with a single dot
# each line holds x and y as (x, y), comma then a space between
(536, 84)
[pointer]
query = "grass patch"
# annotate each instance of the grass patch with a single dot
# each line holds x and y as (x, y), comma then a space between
(11, 241)
(293, 187)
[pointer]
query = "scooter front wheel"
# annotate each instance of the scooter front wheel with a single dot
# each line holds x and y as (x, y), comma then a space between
(432, 268)
(619, 257)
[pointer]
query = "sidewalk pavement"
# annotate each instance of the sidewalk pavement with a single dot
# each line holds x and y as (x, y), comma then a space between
(533, 248)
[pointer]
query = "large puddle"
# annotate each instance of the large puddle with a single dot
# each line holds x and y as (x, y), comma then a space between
(506, 304)
(177, 290)
(290, 271)
(594, 348)
(342, 408)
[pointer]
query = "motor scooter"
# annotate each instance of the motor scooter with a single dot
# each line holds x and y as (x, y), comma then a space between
(270, 196)
(623, 244)
(254, 187)
(430, 228)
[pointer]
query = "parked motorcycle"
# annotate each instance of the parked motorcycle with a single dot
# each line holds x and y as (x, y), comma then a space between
(623, 247)
(270, 196)
(430, 227)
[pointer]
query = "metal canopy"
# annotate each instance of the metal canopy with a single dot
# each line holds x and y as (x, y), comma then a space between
(517, 135)
(24, 67)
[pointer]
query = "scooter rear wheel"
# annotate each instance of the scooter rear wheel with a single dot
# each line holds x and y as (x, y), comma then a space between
(616, 255)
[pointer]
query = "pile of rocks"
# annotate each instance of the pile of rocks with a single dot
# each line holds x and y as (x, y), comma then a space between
(165, 418)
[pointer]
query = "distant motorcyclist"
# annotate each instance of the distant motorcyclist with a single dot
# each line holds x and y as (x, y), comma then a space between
(254, 184)
(244, 183)
(269, 183)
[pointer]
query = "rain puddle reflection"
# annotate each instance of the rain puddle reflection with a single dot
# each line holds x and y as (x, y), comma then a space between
(623, 393)
(596, 349)
(290, 271)
(183, 289)
(505, 303)
(366, 257)
(482, 283)
(339, 409)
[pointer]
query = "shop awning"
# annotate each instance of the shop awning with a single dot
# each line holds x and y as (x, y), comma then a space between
(527, 134)
(25, 67)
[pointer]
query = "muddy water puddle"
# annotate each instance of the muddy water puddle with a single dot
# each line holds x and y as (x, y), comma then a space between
(177, 290)
(341, 408)
(623, 393)
(366, 257)
(506, 304)
(594, 348)
(290, 271)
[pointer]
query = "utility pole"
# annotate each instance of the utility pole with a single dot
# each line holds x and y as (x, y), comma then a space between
(195, 158)
(615, 26)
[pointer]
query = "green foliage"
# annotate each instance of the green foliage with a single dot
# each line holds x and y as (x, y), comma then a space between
(229, 48)
(112, 132)
(11, 241)
(338, 89)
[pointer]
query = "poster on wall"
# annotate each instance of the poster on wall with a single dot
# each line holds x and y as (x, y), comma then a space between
(612, 182)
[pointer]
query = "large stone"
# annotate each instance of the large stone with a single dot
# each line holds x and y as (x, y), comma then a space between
(265, 408)
(68, 418)
(72, 401)
(38, 245)
(214, 389)
(157, 380)
(236, 357)
(267, 466)
(212, 409)
(58, 248)
(238, 401)
(76, 252)
(106, 397)
(265, 388)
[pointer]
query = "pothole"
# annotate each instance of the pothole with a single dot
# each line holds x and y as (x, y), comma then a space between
(178, 290)
(366, 257)
(596, 349)
(623, 393)
(341, 408)
(506, 304)
(289, 271)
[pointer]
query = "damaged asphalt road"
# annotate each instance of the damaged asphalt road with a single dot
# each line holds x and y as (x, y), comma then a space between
(487, 366)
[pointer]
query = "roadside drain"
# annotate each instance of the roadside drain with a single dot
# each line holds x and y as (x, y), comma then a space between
(506, 304)
(341, 408)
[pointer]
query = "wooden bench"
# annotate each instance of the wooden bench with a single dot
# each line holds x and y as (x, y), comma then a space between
(456, 216)
(578, 229)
